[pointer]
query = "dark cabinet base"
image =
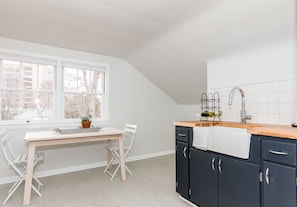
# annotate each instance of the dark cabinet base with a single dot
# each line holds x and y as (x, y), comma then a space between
(279, 187)
(217, 180)
(182, 176)
(238, 184)
(203, 174)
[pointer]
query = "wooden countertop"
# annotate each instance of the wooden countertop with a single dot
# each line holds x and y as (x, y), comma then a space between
(282, 131)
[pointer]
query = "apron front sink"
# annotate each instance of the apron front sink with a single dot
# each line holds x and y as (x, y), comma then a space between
(230, 141)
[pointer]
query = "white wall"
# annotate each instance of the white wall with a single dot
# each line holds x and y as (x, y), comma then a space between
(266, 73)
(189, 112)
(133, 99)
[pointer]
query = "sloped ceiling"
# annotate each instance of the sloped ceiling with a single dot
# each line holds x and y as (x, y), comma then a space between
(169, 41)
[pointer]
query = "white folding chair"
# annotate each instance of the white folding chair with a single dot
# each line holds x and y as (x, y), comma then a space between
(18, 163)
(128, 139)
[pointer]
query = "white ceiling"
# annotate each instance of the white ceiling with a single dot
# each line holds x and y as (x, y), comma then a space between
(169, 41)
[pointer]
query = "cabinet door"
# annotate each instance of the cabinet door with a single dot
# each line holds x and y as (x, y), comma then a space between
(279, 185)
(239, 184)
(203, 182)
(182, 169)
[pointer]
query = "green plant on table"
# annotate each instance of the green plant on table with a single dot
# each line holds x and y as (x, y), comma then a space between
(86, 118)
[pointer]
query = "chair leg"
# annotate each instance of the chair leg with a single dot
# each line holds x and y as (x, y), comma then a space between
(36, 190)
(16, 183)
(109, 164)
(37, 180)
(128, 170)
(115, 172)
(116, 157)
(13, 189)
(118, 167)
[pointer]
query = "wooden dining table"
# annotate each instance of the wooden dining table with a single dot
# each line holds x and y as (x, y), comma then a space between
(50, 138)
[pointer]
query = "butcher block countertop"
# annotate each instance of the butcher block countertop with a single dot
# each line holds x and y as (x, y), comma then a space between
(282, 131)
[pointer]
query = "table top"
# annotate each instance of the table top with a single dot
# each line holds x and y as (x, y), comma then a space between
(51, 135)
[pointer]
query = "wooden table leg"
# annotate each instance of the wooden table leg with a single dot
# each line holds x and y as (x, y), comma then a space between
(122, 158)
(29, 175)
(109, 155)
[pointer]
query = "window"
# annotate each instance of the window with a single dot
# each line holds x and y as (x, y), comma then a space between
(32, 90)
(26, 90)
(84, 91)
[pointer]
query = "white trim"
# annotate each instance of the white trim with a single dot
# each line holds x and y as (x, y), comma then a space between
(59, 171)
(187, 201)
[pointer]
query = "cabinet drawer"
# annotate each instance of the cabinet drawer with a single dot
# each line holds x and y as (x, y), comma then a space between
(182, 134)
(281, 152)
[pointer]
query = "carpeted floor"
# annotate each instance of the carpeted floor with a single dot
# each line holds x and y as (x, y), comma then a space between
(151, 185)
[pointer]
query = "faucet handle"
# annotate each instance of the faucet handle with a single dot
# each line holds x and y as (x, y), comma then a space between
(248, 117)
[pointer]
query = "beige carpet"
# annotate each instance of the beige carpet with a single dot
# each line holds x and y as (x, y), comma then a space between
(151, 185)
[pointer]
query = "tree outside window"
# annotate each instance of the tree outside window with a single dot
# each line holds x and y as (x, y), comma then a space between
(83, 90)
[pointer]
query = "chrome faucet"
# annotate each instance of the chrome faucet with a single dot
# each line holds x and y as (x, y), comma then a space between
(243, 115)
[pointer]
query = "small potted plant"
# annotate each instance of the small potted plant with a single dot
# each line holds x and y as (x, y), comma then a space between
(86, 121)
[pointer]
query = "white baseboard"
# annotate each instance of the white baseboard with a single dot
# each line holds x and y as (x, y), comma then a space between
(59, 171)
(188, 202)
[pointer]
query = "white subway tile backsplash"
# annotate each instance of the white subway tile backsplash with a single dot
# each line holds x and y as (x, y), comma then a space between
(272, 87)
(272, 118)
(261, 108)
(287, 96)
(286, 108)
(261, 98)
(273, 97)
(251, 109)
(262, 118)
(287, 85)
(286, 119)
(272, 102)
(251, 98)
(273, 108)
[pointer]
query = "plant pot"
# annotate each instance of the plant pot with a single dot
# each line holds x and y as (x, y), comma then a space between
(86, 124)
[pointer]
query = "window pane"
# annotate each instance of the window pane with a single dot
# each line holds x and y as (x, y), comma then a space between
(30, 76)
(44, 77)
(78, 104)
(83, 81)
(11, 73)
(70, 79)
(83, 90)
(26, 105)
(26, 90)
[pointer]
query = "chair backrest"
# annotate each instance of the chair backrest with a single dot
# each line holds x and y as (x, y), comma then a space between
(6, 147)
(130, 132)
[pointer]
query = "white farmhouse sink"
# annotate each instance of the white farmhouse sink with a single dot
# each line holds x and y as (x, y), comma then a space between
(200, 136)
(230, 141)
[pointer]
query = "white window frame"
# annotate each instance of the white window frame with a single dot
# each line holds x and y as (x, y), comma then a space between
(58, 119)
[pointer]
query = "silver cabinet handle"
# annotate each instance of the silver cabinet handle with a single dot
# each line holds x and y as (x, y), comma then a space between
(213, 164)
(277, 152)
(220, 166)
(184, 152)
(267, 176)
(181, 135)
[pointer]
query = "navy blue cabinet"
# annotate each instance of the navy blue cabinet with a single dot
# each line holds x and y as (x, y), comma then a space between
(184, 137)
(218, 180)
(238, 183)
(203, 174)
(279, 172)
(182, 169)
(279, 185)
